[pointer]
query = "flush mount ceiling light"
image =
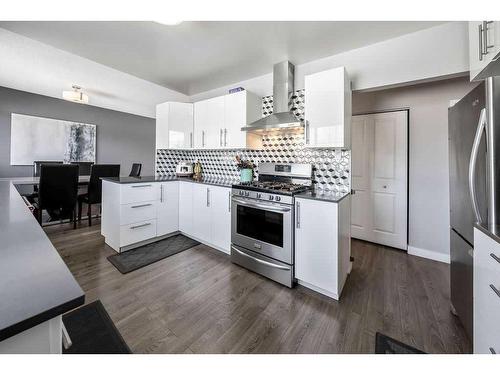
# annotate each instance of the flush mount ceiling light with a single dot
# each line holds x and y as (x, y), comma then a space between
(171, 22)
(76, 95)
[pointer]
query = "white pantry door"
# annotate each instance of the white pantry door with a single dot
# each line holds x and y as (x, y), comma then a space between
(379, 152)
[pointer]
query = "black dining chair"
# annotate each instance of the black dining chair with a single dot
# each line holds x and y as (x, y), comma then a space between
(36, 173)
(57, 191)
(85, 167)
(136, 170)
(94, 192)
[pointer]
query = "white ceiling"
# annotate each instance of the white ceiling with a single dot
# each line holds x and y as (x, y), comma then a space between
(193, 57)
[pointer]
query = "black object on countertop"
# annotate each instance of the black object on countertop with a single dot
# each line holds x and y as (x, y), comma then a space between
(93, 332)
(387, 345)
(134, 259)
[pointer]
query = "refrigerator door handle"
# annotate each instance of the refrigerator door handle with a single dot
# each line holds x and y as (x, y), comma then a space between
(473, 161)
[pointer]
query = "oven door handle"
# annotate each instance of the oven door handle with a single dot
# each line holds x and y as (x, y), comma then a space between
(262, 206)
(260, 260)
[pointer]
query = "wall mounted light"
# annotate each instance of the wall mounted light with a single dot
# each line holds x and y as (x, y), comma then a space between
(76, 95)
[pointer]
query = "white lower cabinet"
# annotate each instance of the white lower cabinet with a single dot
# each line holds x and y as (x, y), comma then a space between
(134, 214)
(486, 294)
(220, 209)
(322, 245)
(167, 213)
(186, 207)
(201, 212)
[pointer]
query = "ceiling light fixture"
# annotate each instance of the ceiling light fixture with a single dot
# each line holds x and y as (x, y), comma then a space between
(171, 22)
(76, 95)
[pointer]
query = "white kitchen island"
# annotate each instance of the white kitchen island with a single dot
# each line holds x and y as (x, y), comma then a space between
(138, 211)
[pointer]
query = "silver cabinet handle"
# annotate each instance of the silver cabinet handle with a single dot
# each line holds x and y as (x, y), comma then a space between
(262, 206)
(229, 201)
(66, 340)
(306, 132)
(208, 197)
(495, 257)
(473, 161)
(225, 137)
(480, 44)
(141, 205)
(140, 226)
(203, 138)
(485, 32)
(497, 292)
(220, 137)
(161, 193)
(260, 260)
(298, 215)
(141, 186)
(191, 139)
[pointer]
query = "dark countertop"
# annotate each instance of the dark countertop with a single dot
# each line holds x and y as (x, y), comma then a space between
(492, 232)
(145, 179)
(35, 284)
(322, 195)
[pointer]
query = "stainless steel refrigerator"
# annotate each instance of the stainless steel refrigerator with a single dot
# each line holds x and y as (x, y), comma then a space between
(473, 170)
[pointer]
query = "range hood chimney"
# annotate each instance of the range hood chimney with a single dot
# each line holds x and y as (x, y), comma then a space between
(281, 118)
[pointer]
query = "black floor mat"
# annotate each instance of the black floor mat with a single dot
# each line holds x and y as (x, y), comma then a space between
(92, 331)
(134, 259)
(387, 345)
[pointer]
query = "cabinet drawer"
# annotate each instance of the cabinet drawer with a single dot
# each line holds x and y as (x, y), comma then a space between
(132, 233)
(133, 193)
(136, 212)
(486, 320)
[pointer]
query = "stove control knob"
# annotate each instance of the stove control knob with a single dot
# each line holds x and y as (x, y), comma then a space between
(247, 193)
(259, 195)
(240, 192)
(278, 199)
(271, 197)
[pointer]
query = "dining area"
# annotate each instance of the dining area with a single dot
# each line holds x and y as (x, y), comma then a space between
(59, 192)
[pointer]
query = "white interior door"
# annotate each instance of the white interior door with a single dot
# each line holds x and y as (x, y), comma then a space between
(379, 178)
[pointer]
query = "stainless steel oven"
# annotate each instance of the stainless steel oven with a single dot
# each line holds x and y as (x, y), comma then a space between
(263, 227)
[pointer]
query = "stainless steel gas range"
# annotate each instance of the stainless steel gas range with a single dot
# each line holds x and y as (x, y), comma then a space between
(262, 220)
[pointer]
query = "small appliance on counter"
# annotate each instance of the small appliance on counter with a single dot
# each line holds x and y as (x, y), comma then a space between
(184, 169)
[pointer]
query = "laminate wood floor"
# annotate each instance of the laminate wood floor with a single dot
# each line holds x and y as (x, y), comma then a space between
(197, 301)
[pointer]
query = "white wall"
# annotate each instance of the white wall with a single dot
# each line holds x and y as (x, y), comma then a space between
(429, 209)
(28, 65)
(424, 55)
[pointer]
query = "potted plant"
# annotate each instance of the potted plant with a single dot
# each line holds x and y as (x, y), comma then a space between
(246, 169)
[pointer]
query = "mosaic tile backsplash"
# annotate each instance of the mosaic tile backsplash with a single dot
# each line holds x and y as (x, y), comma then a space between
(331, 167)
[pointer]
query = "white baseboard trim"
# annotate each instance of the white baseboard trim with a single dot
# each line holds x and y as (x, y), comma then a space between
(429, 254)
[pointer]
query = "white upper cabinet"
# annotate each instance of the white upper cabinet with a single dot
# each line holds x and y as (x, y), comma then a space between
(174, 125)
(240, 109)
(484, 49)
(209, 122)
(218, 121)
(328, 109)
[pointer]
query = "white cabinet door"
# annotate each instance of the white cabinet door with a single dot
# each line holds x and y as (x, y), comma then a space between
(201, 212)
(486, 298)
(209, 123)
(484, 47)
(167, 220)
(174, 125)
(186, 207)
(162, 125)
(328, 109)
(235, 117)
(220, 208)
(316, 241)
(180, 126)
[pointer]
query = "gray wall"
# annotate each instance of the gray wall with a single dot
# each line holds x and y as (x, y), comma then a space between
(429, 200)
(122, 138)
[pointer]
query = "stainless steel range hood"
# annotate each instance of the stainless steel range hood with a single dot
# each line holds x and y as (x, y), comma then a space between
(282, 118)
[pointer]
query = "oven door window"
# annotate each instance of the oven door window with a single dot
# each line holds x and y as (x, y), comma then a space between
(261, 225)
